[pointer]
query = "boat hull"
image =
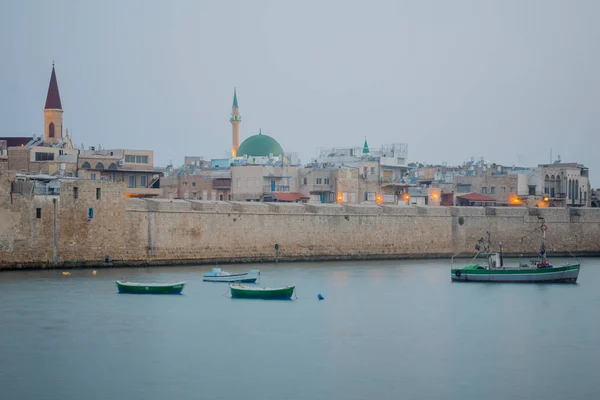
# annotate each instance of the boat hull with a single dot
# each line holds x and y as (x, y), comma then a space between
(262, 293)
(150, 288)
(244, 278)
(566, 274)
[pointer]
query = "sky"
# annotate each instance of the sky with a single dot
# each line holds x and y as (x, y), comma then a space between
(515, 81)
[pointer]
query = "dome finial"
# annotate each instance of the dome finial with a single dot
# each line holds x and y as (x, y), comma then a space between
(260, 131)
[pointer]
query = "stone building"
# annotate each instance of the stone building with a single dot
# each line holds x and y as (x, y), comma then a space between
(206, 184)
(54, 154)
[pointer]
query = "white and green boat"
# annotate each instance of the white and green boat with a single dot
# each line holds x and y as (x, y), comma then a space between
(493, 269)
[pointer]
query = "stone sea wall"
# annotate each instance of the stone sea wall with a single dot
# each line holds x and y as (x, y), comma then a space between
(134, 232)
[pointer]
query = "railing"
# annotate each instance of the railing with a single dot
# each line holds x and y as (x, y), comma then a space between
(276, 188)
(221, 186)
(46, 191)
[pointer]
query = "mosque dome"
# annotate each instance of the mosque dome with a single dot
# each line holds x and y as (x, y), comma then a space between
(260, 146)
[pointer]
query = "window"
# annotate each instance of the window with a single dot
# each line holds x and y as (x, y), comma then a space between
(532, 190)
(193, 183)
(75, 192)
(365, 170)
(86, 165)
(512, 189)
(319, 181)
(93, 176)
(136, 159)
(90, 214)
(131, 181)
(503, 189)
(372, 170)
(484, 190)
(493, 189)
(144, 181)
(304, 181)
(326, 181)
(99, 166)
(248, 184)
(51, 129)
(97, 193)
(44, 156)
(38, 213)
(463, 188)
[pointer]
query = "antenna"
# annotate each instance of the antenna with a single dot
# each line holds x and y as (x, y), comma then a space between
(550, 155)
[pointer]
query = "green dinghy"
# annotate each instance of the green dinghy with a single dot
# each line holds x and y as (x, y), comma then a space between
(255, 292)
(150, 288)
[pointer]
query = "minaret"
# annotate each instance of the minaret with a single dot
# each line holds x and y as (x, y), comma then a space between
(53, 113)
(235, 125)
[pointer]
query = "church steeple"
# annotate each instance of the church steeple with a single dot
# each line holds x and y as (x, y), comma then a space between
(53, 113)
(235, 125)
(53, 97)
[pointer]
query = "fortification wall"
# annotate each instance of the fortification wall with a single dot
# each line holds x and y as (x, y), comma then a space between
(147, 232)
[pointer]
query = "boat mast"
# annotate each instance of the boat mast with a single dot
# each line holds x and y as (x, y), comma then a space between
(543, 244)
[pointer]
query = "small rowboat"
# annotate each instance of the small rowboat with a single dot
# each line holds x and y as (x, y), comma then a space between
(150, 288)
(217, 275)
(255, 292)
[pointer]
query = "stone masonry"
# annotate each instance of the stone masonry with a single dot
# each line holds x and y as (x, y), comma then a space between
(154, 232)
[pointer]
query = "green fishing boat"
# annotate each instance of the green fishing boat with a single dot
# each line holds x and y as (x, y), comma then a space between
(493, 269)
(150, 288)
(255, 292)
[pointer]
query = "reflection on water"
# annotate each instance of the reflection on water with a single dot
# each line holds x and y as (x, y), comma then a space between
(385, 330)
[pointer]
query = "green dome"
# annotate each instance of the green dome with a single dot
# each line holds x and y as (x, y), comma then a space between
(260, 146)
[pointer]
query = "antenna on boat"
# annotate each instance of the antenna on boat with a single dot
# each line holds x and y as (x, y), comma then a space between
(501, 257)
(543, 244)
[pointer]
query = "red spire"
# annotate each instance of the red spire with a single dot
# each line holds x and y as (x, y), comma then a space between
(53, 98)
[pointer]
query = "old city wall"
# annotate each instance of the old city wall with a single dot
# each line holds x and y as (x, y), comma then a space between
(192, 231)
(55, 230)
(155, 232)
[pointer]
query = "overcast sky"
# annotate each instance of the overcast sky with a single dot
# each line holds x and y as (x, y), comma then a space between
(504, 80)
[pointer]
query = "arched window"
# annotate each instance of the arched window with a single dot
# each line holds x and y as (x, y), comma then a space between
(86, 165)
(557, 184)
(51, 129)
(547, 185)
(99, 166)
(576, 190)
(112, 166)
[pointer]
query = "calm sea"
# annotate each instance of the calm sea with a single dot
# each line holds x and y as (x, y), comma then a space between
(386, 330)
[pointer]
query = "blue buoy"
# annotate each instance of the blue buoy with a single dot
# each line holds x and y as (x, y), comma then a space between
(320, 297)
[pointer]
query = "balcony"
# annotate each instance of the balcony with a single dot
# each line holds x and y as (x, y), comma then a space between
(275, 188)
(221, 184)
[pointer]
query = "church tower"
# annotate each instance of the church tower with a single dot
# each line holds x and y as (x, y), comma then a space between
(53, 113)
(235, 125)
